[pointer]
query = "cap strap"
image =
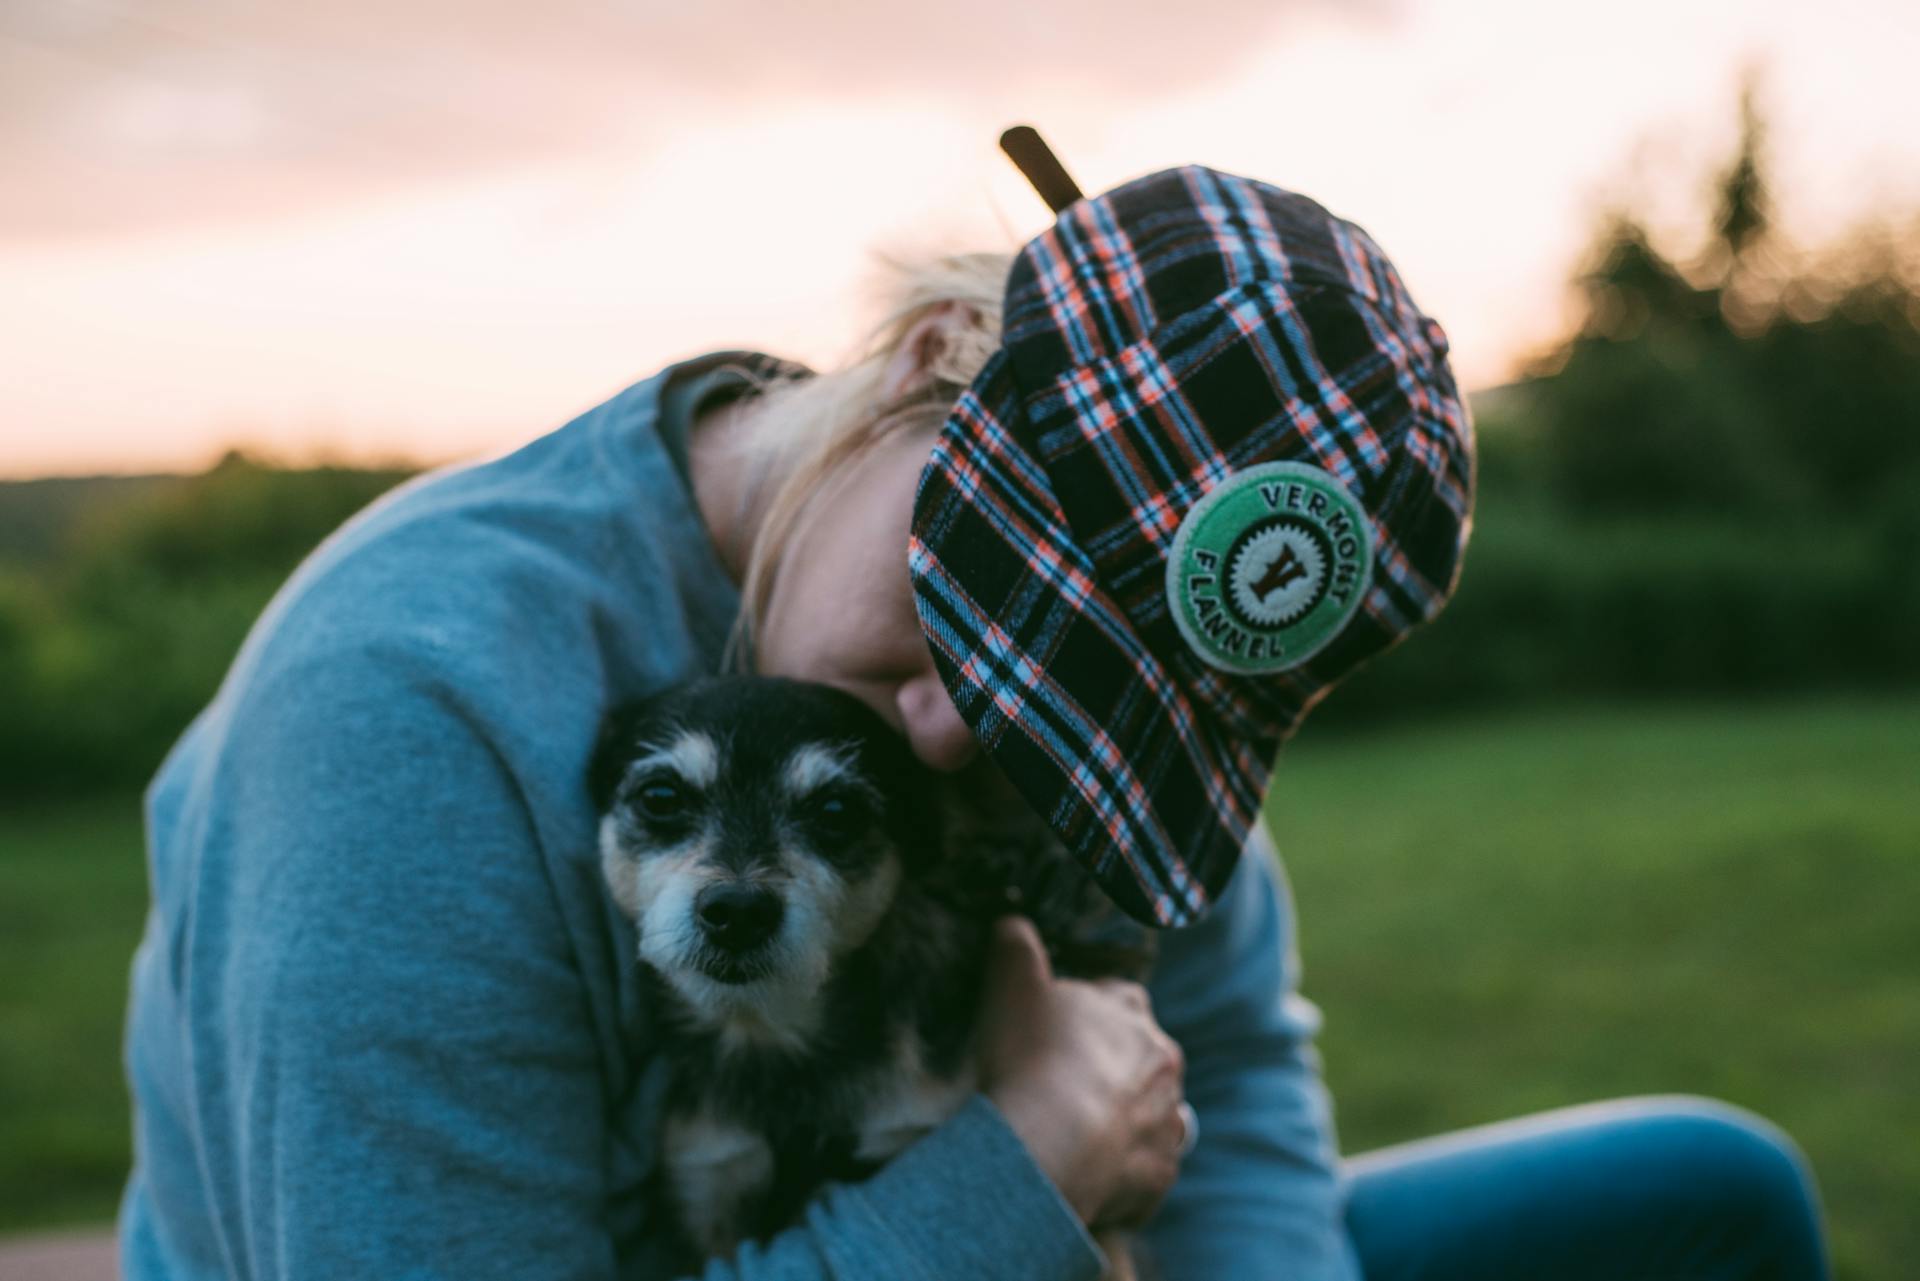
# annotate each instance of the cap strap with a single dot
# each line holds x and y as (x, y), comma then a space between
(1043, 169)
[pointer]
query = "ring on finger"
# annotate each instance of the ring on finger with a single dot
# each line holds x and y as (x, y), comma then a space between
(1189, 1127)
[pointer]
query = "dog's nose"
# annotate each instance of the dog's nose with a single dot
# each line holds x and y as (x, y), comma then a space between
(738, 917)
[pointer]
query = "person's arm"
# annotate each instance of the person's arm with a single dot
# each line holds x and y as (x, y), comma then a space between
(392, 1054)
(1258, 1196)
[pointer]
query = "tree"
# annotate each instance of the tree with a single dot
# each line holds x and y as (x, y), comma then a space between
(1729, 387)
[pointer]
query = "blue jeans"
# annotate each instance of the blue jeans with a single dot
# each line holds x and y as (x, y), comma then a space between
(1646, 1189)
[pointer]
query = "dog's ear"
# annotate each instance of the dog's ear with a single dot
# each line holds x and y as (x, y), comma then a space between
(619, 738)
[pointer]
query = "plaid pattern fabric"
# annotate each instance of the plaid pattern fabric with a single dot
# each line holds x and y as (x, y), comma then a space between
(1157, 340)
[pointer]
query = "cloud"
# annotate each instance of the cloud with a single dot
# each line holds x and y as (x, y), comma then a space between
(125, 114)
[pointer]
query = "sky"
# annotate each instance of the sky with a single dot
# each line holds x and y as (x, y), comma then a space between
(422, 229)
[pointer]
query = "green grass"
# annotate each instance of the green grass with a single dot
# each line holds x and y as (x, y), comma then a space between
(73, 889)
(1507, 915)
(1497, 916)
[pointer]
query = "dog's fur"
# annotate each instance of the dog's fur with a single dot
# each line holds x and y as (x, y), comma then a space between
(813, 909)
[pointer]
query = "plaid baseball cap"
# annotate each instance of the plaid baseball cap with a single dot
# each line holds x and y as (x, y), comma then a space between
(1217, 462)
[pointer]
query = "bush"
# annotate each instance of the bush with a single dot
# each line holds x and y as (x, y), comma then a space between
(1554, 606)
(105, 658)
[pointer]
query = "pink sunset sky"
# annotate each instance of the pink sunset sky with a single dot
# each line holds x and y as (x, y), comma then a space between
(429, 229)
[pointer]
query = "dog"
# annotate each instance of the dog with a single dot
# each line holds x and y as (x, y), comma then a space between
(813, 910)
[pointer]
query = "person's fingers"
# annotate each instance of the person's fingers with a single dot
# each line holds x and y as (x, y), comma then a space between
(1165, 1092)
(1018, 971)
(1148, 1177)
(1159, 1118)
(1176, 1057)
(1118, 1247)
(1167, 1126)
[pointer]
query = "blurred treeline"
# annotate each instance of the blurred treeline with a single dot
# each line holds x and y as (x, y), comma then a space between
(1711, 488)
(123, 600)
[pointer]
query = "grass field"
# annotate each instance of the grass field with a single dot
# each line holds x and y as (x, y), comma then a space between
(1498, 916)
(1506, 915)
(73, 889)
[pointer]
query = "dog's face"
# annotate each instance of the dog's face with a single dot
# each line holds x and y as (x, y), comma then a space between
(756, 830)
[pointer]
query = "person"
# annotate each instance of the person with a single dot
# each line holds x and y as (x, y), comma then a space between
(1095, 523)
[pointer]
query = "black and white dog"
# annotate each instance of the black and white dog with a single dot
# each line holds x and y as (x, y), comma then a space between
(813, 909)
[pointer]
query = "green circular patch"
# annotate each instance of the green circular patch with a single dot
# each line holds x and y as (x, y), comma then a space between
(1269, 567)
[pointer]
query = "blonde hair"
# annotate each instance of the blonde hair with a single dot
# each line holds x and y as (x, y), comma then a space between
(813, 429)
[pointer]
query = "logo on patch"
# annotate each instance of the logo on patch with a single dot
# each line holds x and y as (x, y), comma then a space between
(1269, 567)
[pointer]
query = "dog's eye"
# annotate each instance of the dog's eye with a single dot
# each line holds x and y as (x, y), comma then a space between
(661, 799)
(837, 816)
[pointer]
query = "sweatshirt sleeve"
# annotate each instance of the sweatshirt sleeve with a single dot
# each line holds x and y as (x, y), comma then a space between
(1258, 1196)
(965, 1201)
(392, 1067)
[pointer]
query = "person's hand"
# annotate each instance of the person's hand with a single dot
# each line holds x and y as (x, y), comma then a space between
(1085, 1077)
